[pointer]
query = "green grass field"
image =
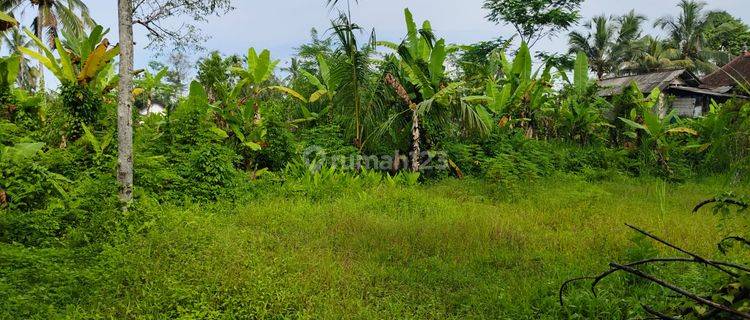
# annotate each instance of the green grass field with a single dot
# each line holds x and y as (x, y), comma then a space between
(453, 249)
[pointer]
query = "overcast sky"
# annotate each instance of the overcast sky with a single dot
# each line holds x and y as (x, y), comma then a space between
(282, 25)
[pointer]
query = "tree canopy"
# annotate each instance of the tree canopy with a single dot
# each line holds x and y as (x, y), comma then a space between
(535, 19)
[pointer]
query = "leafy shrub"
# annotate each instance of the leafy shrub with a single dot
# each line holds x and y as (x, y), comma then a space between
(724, 142)
(209, 172)
(470, 158)
(329, 138)
(279, 149)
(189, 125)
(83, 105)
(28, 184)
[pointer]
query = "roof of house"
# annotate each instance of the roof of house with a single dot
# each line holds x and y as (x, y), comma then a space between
(647, 82)
(708, 92)
(736, 70)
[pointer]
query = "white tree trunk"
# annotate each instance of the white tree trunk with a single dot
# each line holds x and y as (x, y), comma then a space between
(415, 139)
(39, 33)
(125, 102)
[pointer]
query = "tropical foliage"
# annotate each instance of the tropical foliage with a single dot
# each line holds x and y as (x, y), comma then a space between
(698, 40)
(366, 178)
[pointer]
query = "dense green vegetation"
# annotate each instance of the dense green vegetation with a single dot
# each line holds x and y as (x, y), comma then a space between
(451, 249)
(376, 179)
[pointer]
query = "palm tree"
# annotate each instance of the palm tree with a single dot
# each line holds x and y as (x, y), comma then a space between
(52, 15)
(325, 85)
(687, 33)
(628, 43)
(352, 71)
(13, 40)
(598, 44)
(653, 55)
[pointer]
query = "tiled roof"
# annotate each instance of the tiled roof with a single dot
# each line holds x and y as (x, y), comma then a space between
(728, 75)
(646, 82)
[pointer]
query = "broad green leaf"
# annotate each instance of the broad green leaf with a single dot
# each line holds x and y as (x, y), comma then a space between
(220, 133)
(262, 69)
(67, 65)
(312, 79)
(8, 19)
(10, 67)
(685, 130)
(655, 96)
(197, 95)
(237, 132)
(633, 124)
(42, 47)
(22, 151)
(325, 70)
(317, 95)
(388, 44)
(91, 138)
(306, 113)
(52, 66)
(252, 61)
(581, 72)
(437, 61)
(652, 123)
(411, 32)
(478, 100)
(444, 94)
(289, 91)
(252, 145)
(522, 62)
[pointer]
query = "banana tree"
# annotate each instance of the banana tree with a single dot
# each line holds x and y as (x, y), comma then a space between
(83, 61)
(579, 113)
(654, 133)
(239, 114)
(254, 80)
(326, 88)
(9, 71)
(423, 59)
(520, 93)
(85, 68)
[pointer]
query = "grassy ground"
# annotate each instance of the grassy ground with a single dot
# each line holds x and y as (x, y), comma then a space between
(447, 250)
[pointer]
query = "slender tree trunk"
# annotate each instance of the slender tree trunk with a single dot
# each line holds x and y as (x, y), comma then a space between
(125, 102)
(39, 34)
(415, 139)
(330, 110)
(22, 74)
(357, 106)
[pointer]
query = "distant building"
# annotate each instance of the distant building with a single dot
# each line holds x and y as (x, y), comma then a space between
(732, 77)
(688, 94)
(154, 108)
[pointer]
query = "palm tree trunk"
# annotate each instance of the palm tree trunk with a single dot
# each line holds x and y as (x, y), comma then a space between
(415, 139)
(39, 31)
(256, 110)
(330, 110)
(357, 106)
(22, 74)
(125, 102)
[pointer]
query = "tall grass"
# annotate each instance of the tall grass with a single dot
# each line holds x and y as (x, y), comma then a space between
(445, 250)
